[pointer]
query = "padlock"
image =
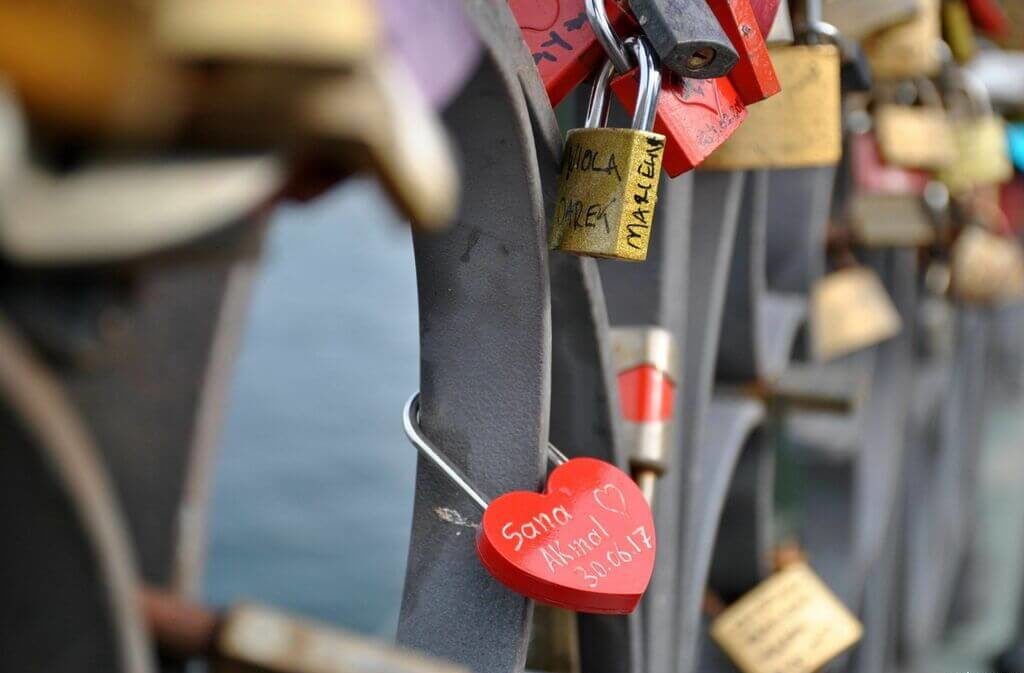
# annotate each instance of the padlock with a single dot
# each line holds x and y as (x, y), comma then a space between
(753, 76)
(562, 40)
(914, 136)
(695, 116)
(800, 126)
(958, 31)
(909, 49)
(983, 156)
(890, 221)
(608, 181)
(686, 37)
(319, 33)
(850, 311)
(872, 176)
(375, 119)
(986, 268)
(790, 622)
(645, 360)
(856, 19)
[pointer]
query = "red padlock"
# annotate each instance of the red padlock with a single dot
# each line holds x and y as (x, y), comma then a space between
(563, 44)
(695, 115)
(873, 176)
(989, 17)
(753, 75)
(765, 11)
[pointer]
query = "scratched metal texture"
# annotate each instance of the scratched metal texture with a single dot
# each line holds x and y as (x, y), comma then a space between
(678, 29)
(485, 336)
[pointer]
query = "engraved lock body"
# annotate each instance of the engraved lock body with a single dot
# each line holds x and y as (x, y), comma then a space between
(608, 181)
(799, 127)
(914, 135)
(686, 37)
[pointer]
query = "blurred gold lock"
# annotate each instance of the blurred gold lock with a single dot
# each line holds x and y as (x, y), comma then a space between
(909, 49)
(916, 136)
(608, 182)
(983, 154)
(856, 19)
(800, 126)
(850, 310)
(986, 268)
(890, 221)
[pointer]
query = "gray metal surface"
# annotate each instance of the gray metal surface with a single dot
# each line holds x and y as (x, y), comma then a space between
(760, 325)
(649, 294)
(485, 362)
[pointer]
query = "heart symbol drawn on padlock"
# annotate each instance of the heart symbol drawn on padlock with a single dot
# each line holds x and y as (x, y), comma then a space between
(587, 543)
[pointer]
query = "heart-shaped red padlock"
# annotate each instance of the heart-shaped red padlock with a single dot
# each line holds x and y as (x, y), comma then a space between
(587, 543)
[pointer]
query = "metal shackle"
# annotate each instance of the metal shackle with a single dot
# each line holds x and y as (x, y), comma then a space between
(647, 97)
(597, 14)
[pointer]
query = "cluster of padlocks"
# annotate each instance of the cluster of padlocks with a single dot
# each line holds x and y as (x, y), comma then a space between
(704, 377)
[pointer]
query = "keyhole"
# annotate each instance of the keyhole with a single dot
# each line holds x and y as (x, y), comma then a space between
(701, 58)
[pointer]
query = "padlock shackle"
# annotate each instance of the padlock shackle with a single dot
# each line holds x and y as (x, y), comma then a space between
(411, 425)
(647, 96)
(597, 14)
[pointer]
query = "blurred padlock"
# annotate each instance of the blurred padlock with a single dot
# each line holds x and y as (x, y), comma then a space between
(958, 30)
(850, 311)
(914, 136)
(857, 19)
(798, 127)
(84, 69)
(753, 76)
(991, 15)
(890, 221)
(871, 175)
(1015, 141)
(910, 49)
(983, 156)
(986, 268)
(376, 119)
(319, 33)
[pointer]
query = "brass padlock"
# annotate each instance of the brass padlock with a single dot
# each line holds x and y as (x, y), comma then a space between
(798, 127)
(850, 310)
(890, 221)
(983, 154)
(914, 136)
(608, 182)
(986, 268)
(857, 19)
(909, 49)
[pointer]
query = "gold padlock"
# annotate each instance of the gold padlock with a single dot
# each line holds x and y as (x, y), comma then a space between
(850, 310)
(986, 268)
(798, 127)
(983, 155)
(909, 49)
(890, 221)
(958, 30)
(914, 136)
(856, 19)
(608, 182)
